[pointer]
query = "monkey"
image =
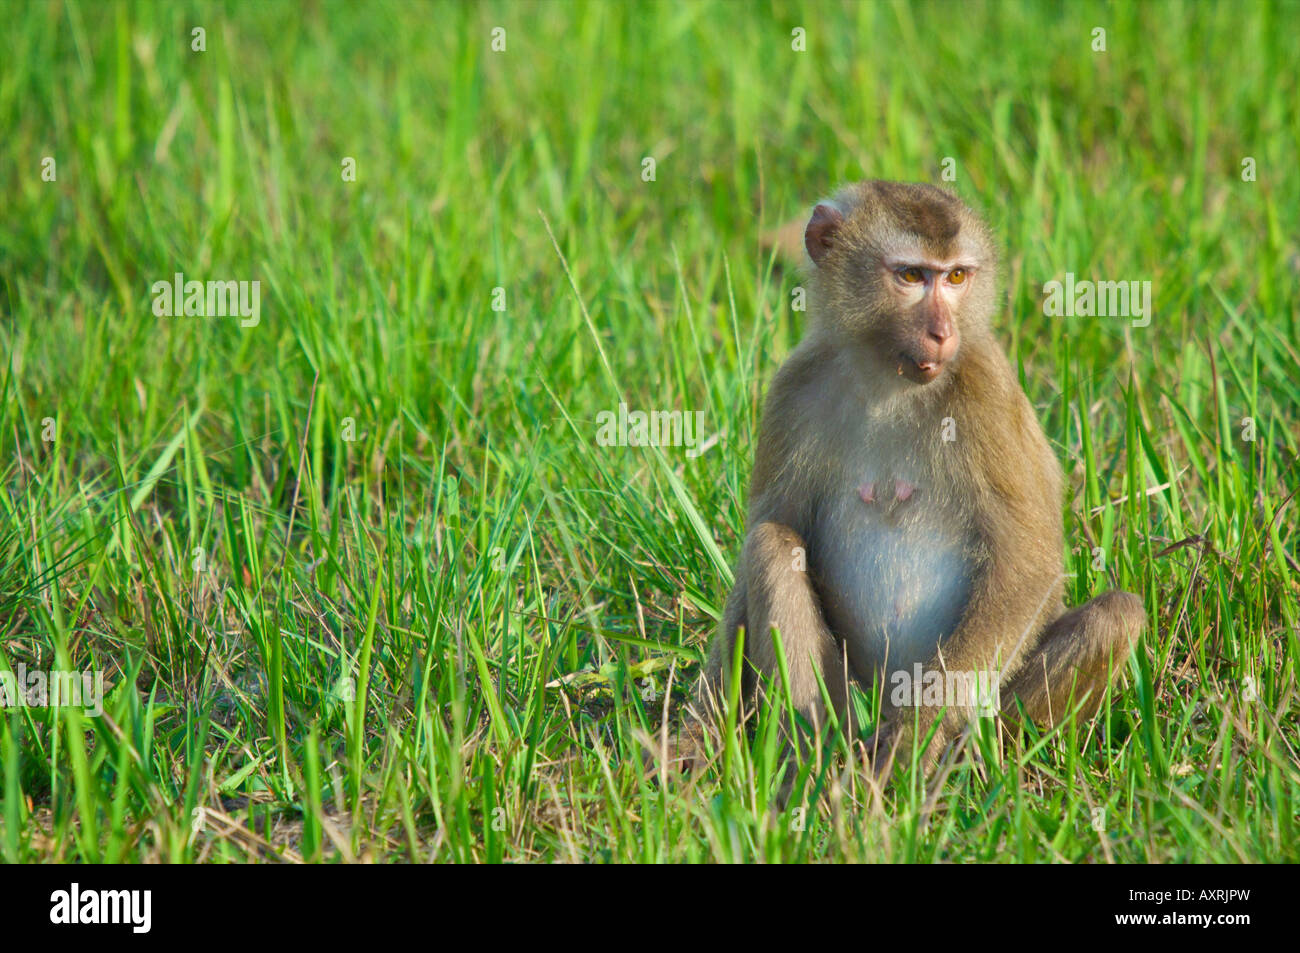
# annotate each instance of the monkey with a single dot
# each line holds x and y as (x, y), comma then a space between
(904, 512)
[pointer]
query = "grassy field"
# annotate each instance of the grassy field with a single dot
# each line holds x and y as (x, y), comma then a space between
(361, 581)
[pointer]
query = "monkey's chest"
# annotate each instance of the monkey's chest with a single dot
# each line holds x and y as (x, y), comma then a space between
(893, 571)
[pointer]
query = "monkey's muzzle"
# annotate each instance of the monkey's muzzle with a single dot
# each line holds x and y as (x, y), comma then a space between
(921, 371)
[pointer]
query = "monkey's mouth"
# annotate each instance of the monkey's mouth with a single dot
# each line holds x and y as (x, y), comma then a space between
(922, 371)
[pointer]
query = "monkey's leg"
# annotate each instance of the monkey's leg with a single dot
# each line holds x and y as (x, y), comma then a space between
(778, 594)
(1078, 655)
(771, 589)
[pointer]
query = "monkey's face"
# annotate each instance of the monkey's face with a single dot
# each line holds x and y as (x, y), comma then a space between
(928, 296)
(903, 271)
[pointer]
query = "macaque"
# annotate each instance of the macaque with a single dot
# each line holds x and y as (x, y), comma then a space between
(905, 507)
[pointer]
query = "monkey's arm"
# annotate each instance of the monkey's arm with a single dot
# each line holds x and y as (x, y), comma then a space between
(773, 590)
(774, 593)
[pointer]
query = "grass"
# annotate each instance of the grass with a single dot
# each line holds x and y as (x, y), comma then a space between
(442, 638)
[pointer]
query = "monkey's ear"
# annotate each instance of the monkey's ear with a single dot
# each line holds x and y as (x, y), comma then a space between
(819, 236)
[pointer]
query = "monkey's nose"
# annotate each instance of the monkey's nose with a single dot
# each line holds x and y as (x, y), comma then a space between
(939, 327)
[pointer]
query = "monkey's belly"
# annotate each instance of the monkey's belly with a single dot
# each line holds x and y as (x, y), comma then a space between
(893, 591)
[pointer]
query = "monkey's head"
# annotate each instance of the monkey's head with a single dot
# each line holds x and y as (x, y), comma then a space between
(904, 271)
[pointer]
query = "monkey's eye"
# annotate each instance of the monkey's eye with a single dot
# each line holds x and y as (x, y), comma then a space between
(956, 276)
(911, 275)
